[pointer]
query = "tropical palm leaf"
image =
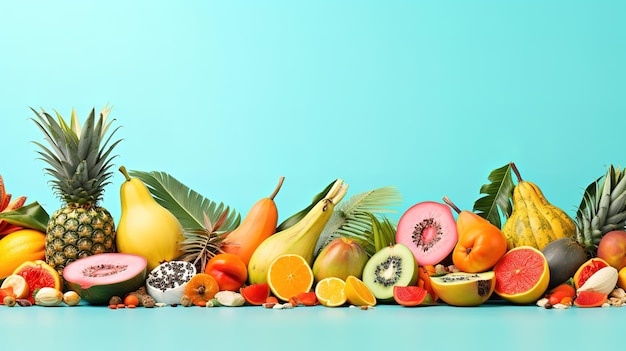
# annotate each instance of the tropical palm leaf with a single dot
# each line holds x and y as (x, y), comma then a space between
(353, 219)
(497, 201)
(186, 205)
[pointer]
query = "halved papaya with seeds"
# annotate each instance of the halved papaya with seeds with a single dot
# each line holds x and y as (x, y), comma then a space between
(201, 288)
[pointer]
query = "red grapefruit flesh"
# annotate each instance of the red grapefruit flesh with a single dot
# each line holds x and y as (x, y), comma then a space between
(409, 295)
(590, 299)
(587, 269)
(255, 294)
(429, 230)
(522, 275)
(38, 274)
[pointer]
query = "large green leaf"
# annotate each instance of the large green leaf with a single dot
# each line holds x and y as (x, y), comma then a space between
(296, 217)
(186, 205)
(352, 218)
(497, 201)
(31, 216)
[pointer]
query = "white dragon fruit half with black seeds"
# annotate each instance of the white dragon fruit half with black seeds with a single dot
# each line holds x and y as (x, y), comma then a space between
(166, 282)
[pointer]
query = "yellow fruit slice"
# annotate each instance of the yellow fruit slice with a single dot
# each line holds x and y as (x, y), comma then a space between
(289, 275)
(330, 292)
(357, 293)
(19, 285)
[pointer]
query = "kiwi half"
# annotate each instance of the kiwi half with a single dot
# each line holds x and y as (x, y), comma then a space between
(392, 265)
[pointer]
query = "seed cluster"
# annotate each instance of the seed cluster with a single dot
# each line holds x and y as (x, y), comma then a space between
(393, 263)
(103, 270)
(418, 238)
(170, 275)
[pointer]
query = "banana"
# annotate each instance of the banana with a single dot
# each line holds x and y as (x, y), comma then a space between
(295, 218)
(300, 238)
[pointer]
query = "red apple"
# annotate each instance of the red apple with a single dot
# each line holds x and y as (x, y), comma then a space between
(612, 248)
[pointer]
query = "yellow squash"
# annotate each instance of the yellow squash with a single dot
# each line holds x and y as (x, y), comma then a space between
(535, 221)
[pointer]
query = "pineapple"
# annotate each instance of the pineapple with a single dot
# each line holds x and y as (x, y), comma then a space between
(602, 209)
(79, 161)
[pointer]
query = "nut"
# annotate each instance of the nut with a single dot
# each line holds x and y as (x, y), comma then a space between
(48, 297)
(71, 298)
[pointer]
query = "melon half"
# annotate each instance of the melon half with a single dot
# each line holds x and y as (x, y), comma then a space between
(98, 277)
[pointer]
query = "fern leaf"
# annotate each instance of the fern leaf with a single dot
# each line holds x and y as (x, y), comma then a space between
(186, 205)
(351, 218)
(497, 201)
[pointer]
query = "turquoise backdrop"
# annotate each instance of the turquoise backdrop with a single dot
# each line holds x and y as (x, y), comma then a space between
(227, 96)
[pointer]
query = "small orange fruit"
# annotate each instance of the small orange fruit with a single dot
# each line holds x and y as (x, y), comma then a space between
(201, 288)
(330, 292)
(289, 275)
(357, 293)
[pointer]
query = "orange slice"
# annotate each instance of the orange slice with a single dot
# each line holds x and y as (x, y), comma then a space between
(19, 285)
(330, 292)
(289, 275)
(357, 293)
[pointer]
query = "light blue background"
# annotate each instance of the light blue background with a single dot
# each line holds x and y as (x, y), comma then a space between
(428, 96)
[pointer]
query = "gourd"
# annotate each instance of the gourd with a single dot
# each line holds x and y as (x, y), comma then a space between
(534, 221)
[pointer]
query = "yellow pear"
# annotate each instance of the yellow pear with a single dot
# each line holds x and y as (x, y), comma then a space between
(146, 228)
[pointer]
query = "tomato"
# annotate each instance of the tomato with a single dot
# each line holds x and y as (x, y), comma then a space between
(229, 271)
(480, 246)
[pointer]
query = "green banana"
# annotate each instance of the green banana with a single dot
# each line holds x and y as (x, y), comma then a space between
(295, 218)
(299, 239)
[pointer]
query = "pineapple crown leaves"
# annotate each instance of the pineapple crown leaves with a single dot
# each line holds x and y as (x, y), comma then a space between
(79, 158)
(188, 206)
(497, 201)
(602, 208)
(353, 219)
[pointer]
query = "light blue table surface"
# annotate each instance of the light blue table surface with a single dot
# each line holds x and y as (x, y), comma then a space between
(492, 326)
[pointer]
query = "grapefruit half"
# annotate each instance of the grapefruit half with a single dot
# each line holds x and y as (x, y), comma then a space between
(38, 274)
(522, 275)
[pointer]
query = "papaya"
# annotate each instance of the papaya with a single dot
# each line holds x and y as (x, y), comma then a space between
(260, 222)
(534, 221)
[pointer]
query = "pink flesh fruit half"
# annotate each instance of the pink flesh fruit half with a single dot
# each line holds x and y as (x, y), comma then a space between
(98, 277)
(518, 272)
(409, 295)
(428, 229)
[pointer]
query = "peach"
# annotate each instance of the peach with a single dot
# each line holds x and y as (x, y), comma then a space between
(612, 248)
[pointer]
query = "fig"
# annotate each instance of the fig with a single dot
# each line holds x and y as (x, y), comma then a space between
(341, 258)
